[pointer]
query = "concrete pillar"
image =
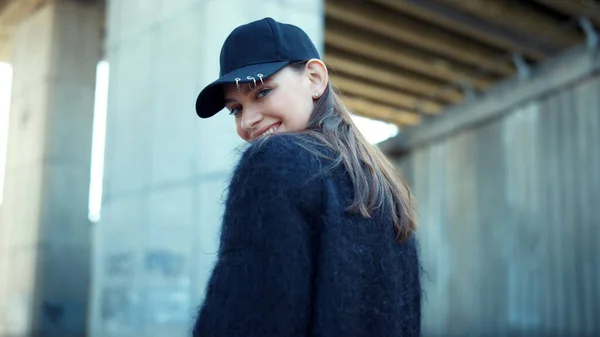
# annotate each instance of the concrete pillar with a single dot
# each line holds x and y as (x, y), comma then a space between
(166, 170)
(45, 246)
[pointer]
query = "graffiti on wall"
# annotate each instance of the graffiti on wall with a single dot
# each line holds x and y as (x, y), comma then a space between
(165, 263)
(119, 265)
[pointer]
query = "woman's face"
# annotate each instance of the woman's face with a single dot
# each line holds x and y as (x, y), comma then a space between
(284, 103)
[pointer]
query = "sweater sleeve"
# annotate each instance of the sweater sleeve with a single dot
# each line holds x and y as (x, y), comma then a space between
(261, 283)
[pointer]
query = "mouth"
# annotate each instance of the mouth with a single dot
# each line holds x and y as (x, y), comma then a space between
(268, 130)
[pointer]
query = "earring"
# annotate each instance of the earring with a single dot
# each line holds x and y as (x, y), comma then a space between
(316, 94)
(252, 78)
(260, 76)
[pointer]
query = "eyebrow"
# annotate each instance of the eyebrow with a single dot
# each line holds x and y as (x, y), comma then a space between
(247, 90)
(229, 100)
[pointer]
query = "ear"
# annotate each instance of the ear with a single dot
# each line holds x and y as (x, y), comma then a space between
(318, 76)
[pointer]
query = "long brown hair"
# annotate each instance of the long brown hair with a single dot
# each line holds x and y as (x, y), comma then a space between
(376, 182)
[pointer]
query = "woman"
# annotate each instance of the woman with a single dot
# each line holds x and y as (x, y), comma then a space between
(318, 231)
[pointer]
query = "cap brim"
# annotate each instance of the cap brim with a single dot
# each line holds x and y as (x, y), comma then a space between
(211, 99)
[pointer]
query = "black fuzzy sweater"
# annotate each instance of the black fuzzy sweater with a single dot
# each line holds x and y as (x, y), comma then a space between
(294, 263)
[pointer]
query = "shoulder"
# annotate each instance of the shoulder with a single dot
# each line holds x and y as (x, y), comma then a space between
(285, 155)
(289, 167)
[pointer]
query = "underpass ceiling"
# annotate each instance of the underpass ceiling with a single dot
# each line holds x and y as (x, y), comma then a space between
(401, 60)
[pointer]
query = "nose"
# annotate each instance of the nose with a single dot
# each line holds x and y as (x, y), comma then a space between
(250, 118)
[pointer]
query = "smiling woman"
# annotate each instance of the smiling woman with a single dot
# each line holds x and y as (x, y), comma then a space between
(318, 231)
(289, 104)
(295, 111)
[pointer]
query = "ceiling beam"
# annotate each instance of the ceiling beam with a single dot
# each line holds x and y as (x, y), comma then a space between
(420, 36)
(3, 3)
(13, 12)
(5, 44)
(389, 97)
(380, 112)
(385, 76)
(576, 8)
(512, 15)
(473, 27)
(405, 59)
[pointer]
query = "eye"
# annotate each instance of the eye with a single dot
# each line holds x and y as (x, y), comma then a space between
(235, 110)
(263, 93)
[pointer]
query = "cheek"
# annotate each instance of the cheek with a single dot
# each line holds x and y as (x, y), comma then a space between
(305, 101)
(304, 109)
(296, 111)
(241, 132)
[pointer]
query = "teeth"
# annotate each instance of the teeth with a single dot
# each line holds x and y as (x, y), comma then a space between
(270, 131)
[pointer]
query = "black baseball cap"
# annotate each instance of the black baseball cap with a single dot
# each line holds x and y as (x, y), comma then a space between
(251, 51)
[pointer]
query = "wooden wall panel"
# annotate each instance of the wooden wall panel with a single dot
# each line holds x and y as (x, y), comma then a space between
(510, 220)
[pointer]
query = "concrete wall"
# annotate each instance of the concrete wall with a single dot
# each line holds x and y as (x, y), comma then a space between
(508, 189)
(44, 232)
(166, 170)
